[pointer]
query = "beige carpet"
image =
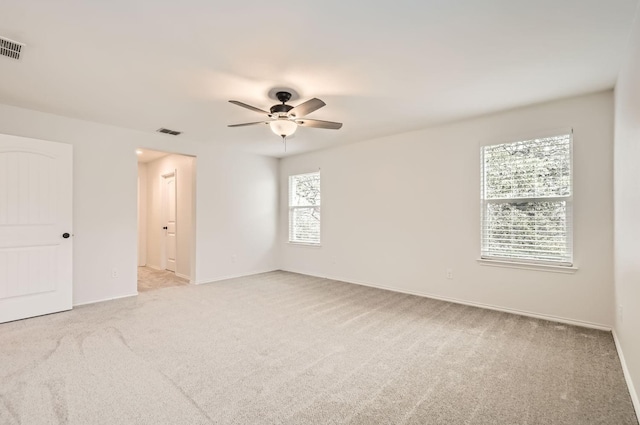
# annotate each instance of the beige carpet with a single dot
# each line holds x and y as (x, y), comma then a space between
(149, 279)
(282, 348)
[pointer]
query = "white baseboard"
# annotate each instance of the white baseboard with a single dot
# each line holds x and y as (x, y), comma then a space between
(219, 278)
(627, 375)
(107, 299)
(184, 276)
(151, 266)
(551, 318)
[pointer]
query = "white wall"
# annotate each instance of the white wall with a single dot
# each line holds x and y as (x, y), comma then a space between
(627, 211)
(184, 167)
(398, 211)
(142, 214)
(236, 211)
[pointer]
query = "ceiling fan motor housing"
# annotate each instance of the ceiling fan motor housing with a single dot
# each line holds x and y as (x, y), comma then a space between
(280, 110)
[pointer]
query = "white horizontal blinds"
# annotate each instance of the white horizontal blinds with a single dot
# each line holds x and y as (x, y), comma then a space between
(526, 201)
(304, 208)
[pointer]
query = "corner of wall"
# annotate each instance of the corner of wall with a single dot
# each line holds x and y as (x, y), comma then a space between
(627, 374)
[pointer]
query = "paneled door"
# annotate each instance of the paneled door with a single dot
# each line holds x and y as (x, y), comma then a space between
(35, 227)
(169, 188)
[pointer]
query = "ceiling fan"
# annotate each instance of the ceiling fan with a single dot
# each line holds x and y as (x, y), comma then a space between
(285, 119)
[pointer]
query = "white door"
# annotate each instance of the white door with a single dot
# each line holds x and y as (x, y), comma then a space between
(35, 227)
(169, 184)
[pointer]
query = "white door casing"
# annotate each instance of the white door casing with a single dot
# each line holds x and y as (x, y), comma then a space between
(169, 211)
(35, 212)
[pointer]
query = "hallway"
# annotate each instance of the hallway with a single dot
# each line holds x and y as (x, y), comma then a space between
(149, 279)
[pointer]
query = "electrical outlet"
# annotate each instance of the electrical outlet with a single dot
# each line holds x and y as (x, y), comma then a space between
(114, 273)
(620, 313)
(449, 273)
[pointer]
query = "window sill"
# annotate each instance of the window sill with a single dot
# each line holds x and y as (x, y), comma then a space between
(528, 266)
(310, 245)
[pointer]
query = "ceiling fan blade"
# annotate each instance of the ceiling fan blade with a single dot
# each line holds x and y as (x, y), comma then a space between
(307, 107)
(319, 124)
(248, 123)
(244, 105)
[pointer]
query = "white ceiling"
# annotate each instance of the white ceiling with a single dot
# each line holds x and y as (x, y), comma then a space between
(382, 67)
(146, 155)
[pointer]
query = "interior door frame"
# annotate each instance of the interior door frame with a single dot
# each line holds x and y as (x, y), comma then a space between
(188, 178)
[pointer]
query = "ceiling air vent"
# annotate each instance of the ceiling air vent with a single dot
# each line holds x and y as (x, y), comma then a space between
(9, 48)
(167, 131)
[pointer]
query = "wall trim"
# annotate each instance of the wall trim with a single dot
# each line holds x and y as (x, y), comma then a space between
(106, 299)
(548, 317)
(151, 266)
(527, 266)
(220, 278)
(627, 374)
(184, 276)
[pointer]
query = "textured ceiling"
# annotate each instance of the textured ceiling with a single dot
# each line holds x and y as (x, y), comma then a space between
(381, 67)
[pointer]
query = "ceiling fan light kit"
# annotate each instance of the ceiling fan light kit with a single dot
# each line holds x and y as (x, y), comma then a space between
(285, 119)
(283, 127)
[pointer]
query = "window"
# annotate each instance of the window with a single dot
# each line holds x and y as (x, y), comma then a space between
(527, 201)
(304, 208)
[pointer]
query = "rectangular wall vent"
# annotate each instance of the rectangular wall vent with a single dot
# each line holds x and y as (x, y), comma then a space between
(11, 49)
(167, 131)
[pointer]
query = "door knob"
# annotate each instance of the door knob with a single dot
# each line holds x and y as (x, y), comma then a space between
(165, 228)
(65, 235)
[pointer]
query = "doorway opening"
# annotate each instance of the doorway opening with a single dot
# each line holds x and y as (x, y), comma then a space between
(166, 219)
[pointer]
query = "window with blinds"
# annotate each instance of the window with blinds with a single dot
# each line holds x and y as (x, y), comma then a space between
(304, 208)
(527, 201)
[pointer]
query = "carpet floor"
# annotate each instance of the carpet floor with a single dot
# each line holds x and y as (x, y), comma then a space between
(283, 348)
